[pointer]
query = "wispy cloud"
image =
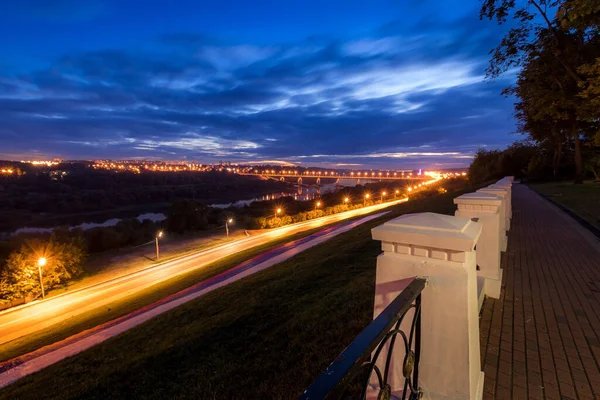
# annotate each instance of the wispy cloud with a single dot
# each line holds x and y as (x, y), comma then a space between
(379, 99)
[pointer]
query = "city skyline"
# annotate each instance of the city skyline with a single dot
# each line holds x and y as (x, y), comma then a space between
(387, 85)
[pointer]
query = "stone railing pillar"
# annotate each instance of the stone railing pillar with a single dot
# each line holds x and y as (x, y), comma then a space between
(485, 208)
(506, 185)
(440, 248)
(504, 220)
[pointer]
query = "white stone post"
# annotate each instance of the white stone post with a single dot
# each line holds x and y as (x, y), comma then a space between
(504, 220)
(507, 185)
(485, 208)
(507, 202)
(440, 248)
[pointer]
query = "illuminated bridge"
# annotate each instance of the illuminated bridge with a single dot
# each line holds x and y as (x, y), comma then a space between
(318, 175)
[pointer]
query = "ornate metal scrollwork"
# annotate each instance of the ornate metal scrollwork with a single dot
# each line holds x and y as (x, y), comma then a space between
(360, 359)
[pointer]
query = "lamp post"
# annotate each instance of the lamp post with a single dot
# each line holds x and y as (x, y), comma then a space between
(317, 205)
(158, 235)
(366, 198)
(278, 212)
(41, 262)
(227, 222)
(396, 192)
(383, 194)
(346, 200)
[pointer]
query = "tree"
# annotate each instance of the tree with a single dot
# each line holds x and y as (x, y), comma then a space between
(549, 107)
(557, 55)
(186, 215)
(485, 166)
(20, 277)
(494, 164)
(530, 17)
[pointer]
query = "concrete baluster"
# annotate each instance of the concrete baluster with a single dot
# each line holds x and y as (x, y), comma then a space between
(486, 209)
(507, 185)
(504, 220)
(441, 248)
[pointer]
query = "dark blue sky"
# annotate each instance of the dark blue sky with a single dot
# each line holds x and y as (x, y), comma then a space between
(376, 83)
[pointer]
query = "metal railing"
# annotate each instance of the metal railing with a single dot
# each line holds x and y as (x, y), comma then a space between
(359, 360)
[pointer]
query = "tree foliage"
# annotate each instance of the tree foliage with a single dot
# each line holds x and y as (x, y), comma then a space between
(20, 276)
(555, 45)
(187, 215)
(514, 161)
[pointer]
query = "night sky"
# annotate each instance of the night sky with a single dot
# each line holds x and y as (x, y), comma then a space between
(391, 84)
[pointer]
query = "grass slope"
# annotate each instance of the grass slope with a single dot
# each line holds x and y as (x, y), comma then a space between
(265, 337)
(131, 303)
(583, 200)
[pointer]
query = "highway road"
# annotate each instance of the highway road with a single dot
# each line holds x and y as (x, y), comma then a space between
(35, 316)
(20, 367)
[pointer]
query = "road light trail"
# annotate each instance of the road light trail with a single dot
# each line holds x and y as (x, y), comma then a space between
(15, 369)
(35, 316)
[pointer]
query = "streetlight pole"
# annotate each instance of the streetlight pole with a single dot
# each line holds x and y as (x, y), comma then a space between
(41, 262)
(227, 222)
(317, 205)
(158, 235)
(365, 200)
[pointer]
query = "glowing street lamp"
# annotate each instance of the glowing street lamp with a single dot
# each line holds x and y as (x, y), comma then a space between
(396, 193)
(159, 234)
(410, 189)
(366, 198)
(346, 200)
(229, 221)
(278, 211)
(383, 194)
(41, 262)
(317, 205)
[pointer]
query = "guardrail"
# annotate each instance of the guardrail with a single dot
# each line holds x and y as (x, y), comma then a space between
(359, 360)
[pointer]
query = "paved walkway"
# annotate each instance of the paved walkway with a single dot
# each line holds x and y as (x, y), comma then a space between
(541, 339)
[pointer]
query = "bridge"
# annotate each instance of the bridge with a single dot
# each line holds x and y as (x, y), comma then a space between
(318, 175)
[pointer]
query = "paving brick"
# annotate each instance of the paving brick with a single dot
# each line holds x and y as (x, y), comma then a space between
(536, 346)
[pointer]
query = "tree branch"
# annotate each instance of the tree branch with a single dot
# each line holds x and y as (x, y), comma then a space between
(567, 67)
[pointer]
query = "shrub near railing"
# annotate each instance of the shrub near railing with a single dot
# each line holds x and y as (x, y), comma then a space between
(276, 222)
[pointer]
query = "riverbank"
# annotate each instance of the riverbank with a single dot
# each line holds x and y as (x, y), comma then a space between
(284, 324)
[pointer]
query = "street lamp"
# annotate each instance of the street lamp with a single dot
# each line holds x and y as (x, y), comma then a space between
(317, 205)
(278, 211)
(41, 262)
(346, 200)
(396, 192)
(158, 235)
(383, 194)
(229, 221)
(366, 198)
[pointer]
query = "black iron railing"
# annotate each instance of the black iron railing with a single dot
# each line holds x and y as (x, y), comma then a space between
(359, 360)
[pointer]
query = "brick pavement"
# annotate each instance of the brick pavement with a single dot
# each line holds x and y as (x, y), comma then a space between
(541, 339)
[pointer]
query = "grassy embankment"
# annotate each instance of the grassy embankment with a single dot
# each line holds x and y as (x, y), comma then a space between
(119, 262)
(583, 200)
(266, 336)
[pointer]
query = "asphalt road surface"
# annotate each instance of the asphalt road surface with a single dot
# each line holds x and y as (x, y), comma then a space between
(35, 316)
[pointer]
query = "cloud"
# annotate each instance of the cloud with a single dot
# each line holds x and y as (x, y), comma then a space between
(380, 100)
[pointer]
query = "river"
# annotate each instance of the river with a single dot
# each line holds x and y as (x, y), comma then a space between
(302, 193)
